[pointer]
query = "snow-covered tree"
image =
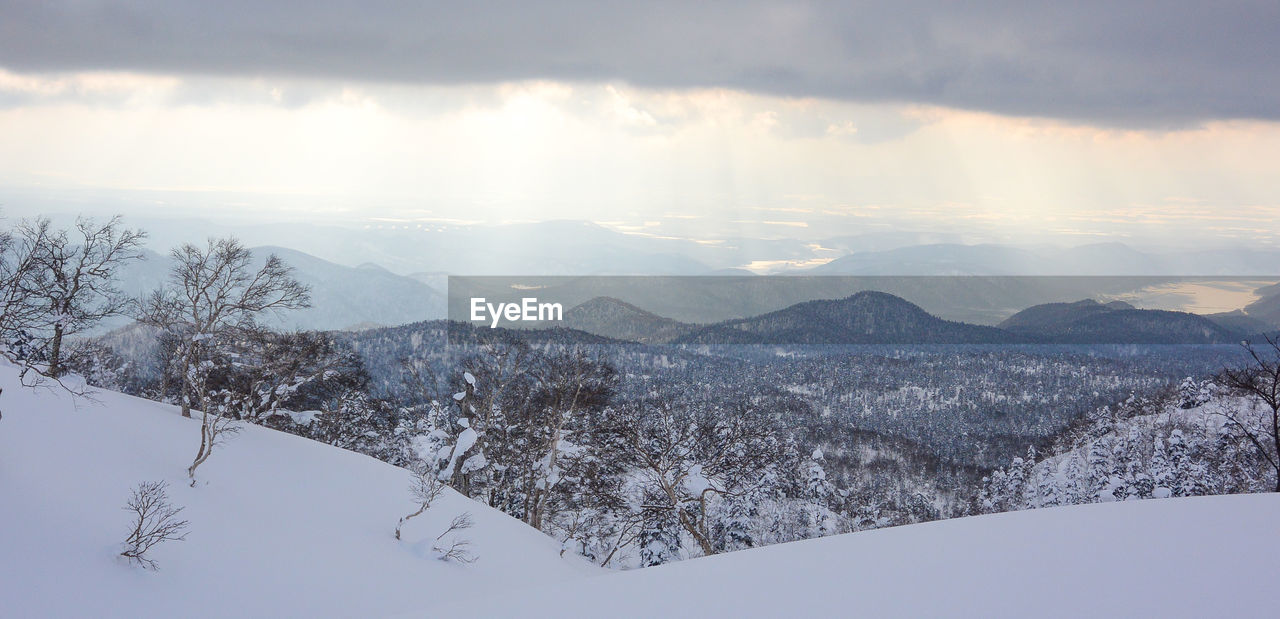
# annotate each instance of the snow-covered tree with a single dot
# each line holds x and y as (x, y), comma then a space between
(1047, 493)
(1162, 471)
(1260, 383)
(659, 538)
(1074, 481)
(1099, 463)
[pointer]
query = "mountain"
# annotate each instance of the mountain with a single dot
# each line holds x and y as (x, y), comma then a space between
(1240, 322)
(617, 319)
(545, 248)
(1106, 259)
(1050, 315)
(280, 526)
(1091, 322)
(1267, 308)
(940, 259)
(866, 317)
(1189, 557)
(342, 297)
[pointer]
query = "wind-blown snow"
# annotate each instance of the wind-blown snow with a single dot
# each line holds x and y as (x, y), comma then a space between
(280, 525)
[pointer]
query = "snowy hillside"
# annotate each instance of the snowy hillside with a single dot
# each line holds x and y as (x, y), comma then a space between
(279, 525)
(283, 526)
(1194, 557)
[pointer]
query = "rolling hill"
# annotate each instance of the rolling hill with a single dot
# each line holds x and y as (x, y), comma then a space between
(864, 318)
(617, 319)
(1091, 322)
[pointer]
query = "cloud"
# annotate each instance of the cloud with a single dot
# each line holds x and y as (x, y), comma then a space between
(1126, 64)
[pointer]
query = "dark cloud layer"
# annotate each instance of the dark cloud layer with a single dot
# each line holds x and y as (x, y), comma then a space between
(1126, 63)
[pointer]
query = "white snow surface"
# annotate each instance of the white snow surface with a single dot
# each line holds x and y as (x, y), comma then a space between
(285, 527)
(280, 526)
(1193, 557)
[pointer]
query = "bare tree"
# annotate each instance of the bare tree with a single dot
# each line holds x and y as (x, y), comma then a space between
(214, 430)
(1260, 381)
(155, 520)
(76, 276)
(425, 487)
(456, 549)
(215, 292)
(20, 315)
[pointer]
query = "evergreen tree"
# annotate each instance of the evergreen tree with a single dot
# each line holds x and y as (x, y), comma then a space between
(817, 489)
(1073, 479)
(1015, 484)
(1100, 471)
(1162, 471)
(1121, 463)
(659, 538)
(734, 527)
(1047, 490)
(1179, 464)
(1030, 484)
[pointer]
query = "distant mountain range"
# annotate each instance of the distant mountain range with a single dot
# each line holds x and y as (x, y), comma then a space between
(586, 248)
(1097, 259)
(871, 317)
(1001, 279)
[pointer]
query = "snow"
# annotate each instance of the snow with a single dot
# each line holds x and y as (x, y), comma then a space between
(280, 525)
(1193, 557)
(283, 526)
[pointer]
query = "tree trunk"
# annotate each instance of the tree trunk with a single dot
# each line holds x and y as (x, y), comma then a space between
(187, 391)
(55, 352)
(186, 400)
(206, 445)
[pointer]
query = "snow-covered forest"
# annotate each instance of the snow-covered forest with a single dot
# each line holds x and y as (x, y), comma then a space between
(632, 455)
(621, 455)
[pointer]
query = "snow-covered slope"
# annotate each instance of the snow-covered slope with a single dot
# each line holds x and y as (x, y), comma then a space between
(280, 526)
(1194, 557)
(285, 527)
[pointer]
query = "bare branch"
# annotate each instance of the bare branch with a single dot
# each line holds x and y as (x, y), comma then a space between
(456, 549)
(155, 520)
(425, 487)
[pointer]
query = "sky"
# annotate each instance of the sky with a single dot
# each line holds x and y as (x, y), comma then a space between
(1064, 123)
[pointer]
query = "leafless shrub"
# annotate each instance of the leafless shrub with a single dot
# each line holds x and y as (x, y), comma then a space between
(456, 549)
(425, 488)
(155, 520)
(214, 430)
